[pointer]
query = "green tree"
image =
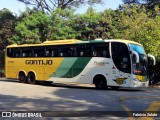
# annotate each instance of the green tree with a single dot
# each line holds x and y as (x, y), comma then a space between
(91, 24)
(33, 28)
(86, 23)
(7, 24)
(62, 24)
(149, 4)
(51, 5)
(136, 24)
(130, 1)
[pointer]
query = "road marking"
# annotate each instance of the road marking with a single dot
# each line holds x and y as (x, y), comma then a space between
(153, 107)
(123, 98)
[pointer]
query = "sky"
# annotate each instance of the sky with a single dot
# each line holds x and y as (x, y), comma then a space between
(16, 7)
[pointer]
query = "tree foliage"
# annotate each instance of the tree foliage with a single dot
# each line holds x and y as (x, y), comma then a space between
(62, 24)
(7, 23)
(138, 25)
(32, 29)
(149, 4)
(51, 5)
(36, 26)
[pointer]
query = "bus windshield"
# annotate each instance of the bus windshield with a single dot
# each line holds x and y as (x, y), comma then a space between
(140, 68)
(139, 49)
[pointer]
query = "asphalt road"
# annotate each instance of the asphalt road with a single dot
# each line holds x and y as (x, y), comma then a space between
(78, 100)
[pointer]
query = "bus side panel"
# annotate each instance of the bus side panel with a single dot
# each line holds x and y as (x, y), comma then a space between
(96, 66)
(15, 65)
(68, 69)
(11, 72)
(10, 68)
(51, 70)
(37, 70)
(81, 70)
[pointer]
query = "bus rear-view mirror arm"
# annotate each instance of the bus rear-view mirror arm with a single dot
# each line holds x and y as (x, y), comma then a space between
(154, 60)
(137, 56)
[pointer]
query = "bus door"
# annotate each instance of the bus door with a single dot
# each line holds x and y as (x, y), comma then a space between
(120, 72)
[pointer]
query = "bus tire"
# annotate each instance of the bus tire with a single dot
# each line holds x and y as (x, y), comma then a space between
(100, 82)
(22, 77)
(31, 78)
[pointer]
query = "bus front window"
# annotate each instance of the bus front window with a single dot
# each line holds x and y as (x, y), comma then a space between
(140, 68)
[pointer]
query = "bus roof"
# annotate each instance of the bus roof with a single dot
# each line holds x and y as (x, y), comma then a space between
(73, 41)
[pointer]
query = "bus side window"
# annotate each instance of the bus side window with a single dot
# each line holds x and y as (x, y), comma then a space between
(51, 51)
(47, 53)
(95, 54)
(84, 50)
(26, 52)
(17, 52)
(101, 50)
(81, 53)
(17, 55)
(88, 51)
(10, 52)
(38, 52)
(66, 51)
(75, 51)
(105, 53)
(61, 54)
(23, 54)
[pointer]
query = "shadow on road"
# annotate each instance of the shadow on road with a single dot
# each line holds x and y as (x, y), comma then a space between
(78, 86)
(72, 98)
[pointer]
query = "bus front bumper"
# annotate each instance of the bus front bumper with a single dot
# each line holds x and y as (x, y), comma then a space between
(139, 84)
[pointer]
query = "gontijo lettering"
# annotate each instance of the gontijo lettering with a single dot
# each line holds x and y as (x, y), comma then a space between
(38, 62)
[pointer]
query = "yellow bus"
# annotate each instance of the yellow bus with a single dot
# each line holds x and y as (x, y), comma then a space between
(105, 63)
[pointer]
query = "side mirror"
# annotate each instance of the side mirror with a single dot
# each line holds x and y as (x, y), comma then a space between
(137, 56)
(154, 60)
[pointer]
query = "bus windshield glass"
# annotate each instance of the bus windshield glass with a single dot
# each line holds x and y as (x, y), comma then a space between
(139, 49)
(140, 68)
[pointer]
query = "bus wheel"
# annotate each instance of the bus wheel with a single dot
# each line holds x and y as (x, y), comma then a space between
(31, 78)
(22, 77)
(100, 82)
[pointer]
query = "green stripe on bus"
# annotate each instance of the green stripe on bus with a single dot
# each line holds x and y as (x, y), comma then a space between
(77, 67)
(64, 67)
